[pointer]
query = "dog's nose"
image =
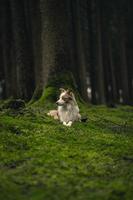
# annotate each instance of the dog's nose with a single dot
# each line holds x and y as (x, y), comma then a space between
(57, 102)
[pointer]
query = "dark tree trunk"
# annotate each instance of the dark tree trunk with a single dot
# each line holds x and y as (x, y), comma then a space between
(55, 39)
(6, 37)
(73, 42)
(100, 70)
(22, 51)
(123, 63)
(35, 17)
(2, 75)
(130, 48)
(93, 47)
(80, 12)
(107, 53)
(113, 90)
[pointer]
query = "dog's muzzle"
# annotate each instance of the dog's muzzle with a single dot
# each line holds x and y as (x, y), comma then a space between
(60, 103)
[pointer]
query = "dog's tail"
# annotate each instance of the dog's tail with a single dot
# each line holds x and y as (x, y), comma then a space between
(84, 119)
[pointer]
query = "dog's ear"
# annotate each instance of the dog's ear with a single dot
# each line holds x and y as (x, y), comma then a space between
(69, 91)
(62, 90)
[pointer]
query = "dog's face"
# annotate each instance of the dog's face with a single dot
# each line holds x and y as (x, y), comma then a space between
(65, 97)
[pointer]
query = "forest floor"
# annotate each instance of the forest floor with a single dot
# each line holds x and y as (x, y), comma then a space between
(40, 159)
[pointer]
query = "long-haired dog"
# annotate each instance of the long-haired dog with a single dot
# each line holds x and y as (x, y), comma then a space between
(68, 110)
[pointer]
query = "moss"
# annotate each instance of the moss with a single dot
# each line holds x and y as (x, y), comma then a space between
(51, 91)
(42, 159)
(48, 95)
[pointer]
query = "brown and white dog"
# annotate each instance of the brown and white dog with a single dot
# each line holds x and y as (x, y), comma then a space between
(68, 110)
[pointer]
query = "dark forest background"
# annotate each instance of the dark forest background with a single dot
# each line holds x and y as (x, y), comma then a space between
(90, 40)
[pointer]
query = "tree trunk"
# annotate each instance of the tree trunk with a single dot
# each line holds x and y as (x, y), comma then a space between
(6, 46)
(22, 51)
(130, 49)
(93, 47)
(2, 75)
(99, 65)
(55, 39)
(123, 63)
(35, 17)
(79, 22)
(113, 91)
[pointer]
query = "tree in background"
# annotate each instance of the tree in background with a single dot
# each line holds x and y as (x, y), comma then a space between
(24, 69)
(50, 42)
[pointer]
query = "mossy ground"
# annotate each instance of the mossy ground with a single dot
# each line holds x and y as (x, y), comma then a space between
(40, 159)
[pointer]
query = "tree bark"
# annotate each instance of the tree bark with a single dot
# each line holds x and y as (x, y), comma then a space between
(79, 22)
(35, 18)
(129, 48)
(112, 71)
(123, 57)
(99, 56)
(22, 51)
(55, 39)
(6, 46)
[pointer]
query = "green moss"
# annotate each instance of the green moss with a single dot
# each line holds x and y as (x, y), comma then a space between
(42, 159)
(49, 95)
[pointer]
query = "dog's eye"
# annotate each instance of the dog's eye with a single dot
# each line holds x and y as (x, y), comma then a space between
(66, 98)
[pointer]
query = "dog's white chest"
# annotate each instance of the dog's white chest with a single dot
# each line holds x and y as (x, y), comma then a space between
(67, 114)
(63, 114)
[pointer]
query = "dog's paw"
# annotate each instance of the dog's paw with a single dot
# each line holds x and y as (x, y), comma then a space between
(64, 123)
(67, 124)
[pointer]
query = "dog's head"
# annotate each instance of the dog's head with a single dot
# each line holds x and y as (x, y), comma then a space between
(66, 96)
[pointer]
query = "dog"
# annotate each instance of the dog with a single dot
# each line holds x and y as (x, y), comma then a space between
(68, 110)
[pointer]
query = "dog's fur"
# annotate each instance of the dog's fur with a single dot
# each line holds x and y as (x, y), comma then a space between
(68, 110)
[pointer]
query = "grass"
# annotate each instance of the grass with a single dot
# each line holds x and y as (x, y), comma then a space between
(40, 159)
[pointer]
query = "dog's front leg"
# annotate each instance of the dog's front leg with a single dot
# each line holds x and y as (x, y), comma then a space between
(64, 123)
(67, 124)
